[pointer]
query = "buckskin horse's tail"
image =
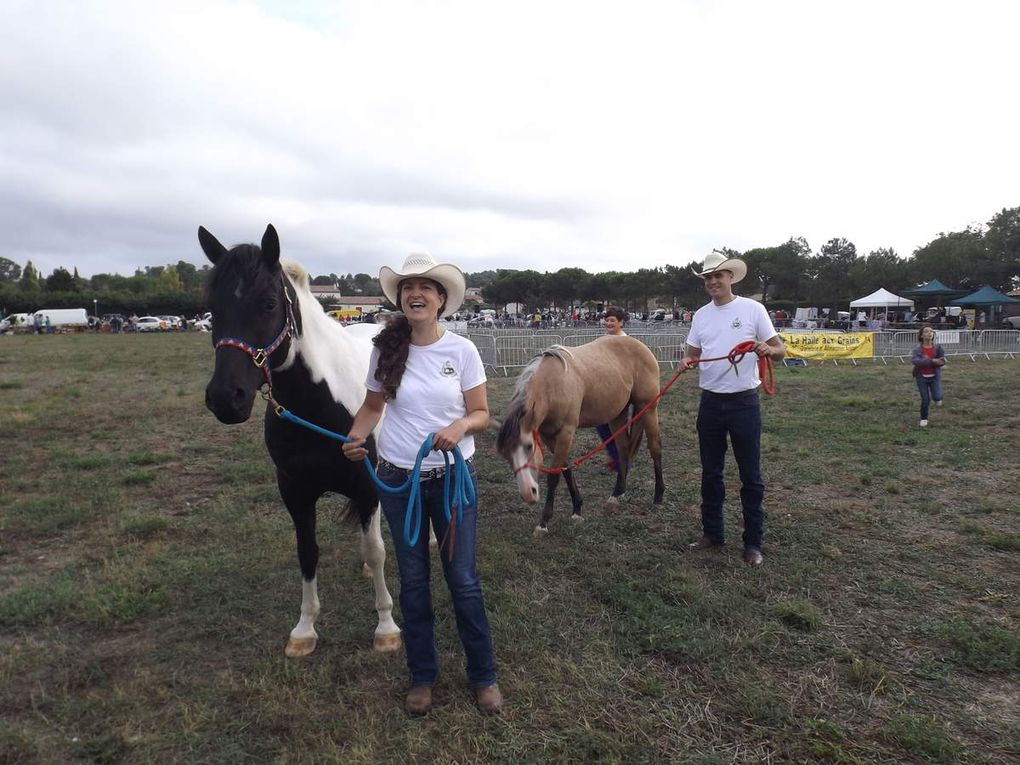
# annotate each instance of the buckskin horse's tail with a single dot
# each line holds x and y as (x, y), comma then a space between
(636, 432)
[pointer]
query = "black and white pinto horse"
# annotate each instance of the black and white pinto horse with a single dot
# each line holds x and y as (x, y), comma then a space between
(268, 328)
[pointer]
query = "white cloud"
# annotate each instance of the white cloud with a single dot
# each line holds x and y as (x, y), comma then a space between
(603, 135)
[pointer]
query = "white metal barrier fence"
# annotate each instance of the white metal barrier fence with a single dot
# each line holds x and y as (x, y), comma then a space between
(507, 351)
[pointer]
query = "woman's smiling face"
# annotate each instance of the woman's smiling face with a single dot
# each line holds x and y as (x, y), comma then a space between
(421, 298)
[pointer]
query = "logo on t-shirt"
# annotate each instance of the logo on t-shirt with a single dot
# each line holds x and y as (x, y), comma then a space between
(736, 323)
(447, 369)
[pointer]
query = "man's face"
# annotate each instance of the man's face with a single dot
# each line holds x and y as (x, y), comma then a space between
(719, 284)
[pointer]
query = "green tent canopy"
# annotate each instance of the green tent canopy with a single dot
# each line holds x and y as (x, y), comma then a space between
(984, 296)
(934, 288)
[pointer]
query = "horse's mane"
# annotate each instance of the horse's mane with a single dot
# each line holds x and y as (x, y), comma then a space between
(511, 427)
(297, 273)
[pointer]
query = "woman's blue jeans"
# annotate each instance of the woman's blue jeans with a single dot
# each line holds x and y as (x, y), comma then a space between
(414, 565)
(930, 389)
(739, 416)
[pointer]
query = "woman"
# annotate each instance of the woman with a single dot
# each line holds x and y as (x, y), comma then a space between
(928, 358)
(429, 380)
(615, 318)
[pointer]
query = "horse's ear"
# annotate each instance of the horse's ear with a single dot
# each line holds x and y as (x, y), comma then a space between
(210, 245)
(271, 246)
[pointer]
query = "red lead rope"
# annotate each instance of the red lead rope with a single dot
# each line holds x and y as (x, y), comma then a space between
(735, 356)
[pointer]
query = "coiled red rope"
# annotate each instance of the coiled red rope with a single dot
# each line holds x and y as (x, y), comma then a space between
(735, 356)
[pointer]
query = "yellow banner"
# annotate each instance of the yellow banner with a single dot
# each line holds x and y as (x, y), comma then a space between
(829, 345)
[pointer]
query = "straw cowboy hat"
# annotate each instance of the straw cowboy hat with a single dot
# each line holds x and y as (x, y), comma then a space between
(717, 261)
(421, 264)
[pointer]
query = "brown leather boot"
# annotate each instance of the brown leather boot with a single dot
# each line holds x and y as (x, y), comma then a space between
(419, 700)
(489, 699)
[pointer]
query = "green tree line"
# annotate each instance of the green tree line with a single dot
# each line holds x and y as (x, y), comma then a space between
(784, 275)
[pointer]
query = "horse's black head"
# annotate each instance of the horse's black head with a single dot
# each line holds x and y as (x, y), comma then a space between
(245, 293)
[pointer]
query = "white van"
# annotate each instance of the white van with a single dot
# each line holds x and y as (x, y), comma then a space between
(16, 322)
(65, 318)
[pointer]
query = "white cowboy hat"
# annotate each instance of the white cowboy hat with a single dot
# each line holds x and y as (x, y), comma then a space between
(421, 264)
(717, 261)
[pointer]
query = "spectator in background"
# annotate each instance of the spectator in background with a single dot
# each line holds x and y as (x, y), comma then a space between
(614, 320)
(928, 359)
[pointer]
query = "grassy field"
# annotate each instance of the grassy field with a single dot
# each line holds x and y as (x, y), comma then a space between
(148, 581)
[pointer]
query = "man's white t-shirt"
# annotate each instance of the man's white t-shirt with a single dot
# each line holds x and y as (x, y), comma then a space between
(716, 330)
(430, 397)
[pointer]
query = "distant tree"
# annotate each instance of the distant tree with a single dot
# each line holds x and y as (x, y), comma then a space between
(778, 270)
(60, 281)
(30, 278)
(480, 278)
(325, 281)
(881, 268)
(1002, 242)
(829, 272)
(562, 288)
(511, 286)
(190, 276)
(9, 270)
(169, 281)
(953, 258)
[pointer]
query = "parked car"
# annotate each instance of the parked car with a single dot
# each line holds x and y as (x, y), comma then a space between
(1011, 322)
(203, 325)
(150, 324)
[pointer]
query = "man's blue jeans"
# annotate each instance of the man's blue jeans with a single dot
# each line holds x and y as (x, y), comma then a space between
(414, 564)
(739, 416)
(930, 389)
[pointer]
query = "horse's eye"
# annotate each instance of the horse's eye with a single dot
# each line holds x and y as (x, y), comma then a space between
(528, 447)
(269, 304)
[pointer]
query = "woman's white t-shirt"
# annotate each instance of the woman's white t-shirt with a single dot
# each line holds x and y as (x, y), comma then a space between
(430, 397)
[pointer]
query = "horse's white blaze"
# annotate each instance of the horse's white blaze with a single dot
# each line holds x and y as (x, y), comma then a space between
(527, 477)
(305, 627)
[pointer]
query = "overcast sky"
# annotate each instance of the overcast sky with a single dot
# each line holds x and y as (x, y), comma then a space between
(605, 135)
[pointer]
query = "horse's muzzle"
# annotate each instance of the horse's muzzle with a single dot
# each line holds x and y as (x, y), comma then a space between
(231, 405)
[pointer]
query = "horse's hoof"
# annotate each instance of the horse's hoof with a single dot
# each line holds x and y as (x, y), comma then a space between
(577, 517)
(613, 501)
(366, 571)
(386, 643)
(539, 532)
(298, 647)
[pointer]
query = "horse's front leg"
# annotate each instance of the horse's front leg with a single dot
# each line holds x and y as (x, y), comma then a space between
(301, 507)
(561, 451)
(373, 553)
(575, 495)
(547, 511)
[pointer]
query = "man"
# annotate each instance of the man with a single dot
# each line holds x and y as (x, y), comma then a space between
(729, 400)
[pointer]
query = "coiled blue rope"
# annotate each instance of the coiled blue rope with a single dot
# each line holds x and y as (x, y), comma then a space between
(463, 487)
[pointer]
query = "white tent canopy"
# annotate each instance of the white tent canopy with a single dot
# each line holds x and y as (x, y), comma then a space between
(882, 298)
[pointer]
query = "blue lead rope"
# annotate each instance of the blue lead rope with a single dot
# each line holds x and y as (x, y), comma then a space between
(463, 487)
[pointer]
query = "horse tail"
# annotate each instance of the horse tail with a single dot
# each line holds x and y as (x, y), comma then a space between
(358, 512)
(637, 431)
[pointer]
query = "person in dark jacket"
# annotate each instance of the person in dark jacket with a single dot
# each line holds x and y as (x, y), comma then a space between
(928, 359)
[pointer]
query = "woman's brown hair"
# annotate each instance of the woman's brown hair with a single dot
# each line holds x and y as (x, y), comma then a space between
(394, 344)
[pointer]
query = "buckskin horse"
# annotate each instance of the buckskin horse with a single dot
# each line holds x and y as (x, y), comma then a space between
(569, 388)
(268, 329)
